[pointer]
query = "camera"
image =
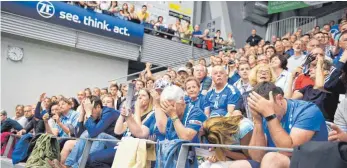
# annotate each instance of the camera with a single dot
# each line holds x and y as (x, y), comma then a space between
(231, 62)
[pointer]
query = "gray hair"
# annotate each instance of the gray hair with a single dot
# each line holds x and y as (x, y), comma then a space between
(172, 93)
(3, 112)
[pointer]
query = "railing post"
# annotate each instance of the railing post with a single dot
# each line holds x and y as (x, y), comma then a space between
(9, 145)
(182, 156)
(294, 25)
(85, 153)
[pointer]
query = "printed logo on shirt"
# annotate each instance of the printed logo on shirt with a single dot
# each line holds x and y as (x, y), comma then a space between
(196, 122)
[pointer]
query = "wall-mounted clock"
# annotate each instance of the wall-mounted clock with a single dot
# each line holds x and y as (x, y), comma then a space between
(15, 53)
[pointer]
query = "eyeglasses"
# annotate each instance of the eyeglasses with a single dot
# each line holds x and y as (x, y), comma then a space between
(263, 72)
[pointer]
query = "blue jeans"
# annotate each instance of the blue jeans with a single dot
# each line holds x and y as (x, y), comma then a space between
(74, 157)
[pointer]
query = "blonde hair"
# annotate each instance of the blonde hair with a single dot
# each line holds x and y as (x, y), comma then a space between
(219, 130)
(253, 74)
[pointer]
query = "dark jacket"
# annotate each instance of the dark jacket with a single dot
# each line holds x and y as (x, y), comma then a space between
(105, 124)
(8, 124)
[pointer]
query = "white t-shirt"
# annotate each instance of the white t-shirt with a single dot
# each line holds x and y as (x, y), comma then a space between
(21, 120)
(105, 5)
(295, 61)
(282, 80)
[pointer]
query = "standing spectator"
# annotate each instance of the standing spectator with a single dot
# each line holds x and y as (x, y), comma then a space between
(197, 36)
(132, 15)
(19, 117)
(298, 58)
(114, 8)
(143, 15)
(284, 122)
(159, 25)
(230, 41)
(124, 12)
(252, 61)
(221, 100)
(186, 32)
(176, 28)
(218, 40)
(254, 39)
(200, 72)
(105, 6)
(7, 124)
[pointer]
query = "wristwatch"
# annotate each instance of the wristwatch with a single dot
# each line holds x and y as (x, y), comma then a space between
(270, 117)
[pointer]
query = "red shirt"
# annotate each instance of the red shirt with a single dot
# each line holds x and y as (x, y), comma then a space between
(302, 81)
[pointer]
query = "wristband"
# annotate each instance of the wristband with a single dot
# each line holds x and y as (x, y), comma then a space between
(174, 119)
(270, 117)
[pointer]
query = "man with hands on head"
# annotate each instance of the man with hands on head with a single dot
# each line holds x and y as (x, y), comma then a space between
(280, 122)
(175, 119)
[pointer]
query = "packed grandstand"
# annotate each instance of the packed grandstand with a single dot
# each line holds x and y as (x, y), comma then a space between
(250, 106)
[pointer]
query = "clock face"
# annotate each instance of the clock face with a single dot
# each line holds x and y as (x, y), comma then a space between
(15, 53)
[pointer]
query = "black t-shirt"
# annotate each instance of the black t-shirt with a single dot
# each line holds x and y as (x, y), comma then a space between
(327, 102)
(253, 41)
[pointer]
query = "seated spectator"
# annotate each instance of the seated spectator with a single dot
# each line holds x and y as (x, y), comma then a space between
(235, 130)
(287, 47)
(202, 62)
(143, 15)
(254, 39)
(87, 91)
(279, 47)
(34, 126)
(19, 117)
(260, 73)
(231, 68)
(74, 103)
(262, 59)
(279, 65)
(96, 92)
(327, 87)
(280, 122)
(124, 12)
(103, 91)
(182, 75)
(65, 118)
(7, 124)
(194, 97)
(243, 84)
(270, 51)
(293, 38)
(340, 118)
(100, 124)
(221, 100)
(252, 61)
(200, 72)
(298, 58)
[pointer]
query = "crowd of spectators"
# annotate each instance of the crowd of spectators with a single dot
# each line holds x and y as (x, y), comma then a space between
(180, 31)
(273, 94)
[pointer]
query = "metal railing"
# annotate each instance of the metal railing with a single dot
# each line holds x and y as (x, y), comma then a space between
(290, 25)
(182, 157)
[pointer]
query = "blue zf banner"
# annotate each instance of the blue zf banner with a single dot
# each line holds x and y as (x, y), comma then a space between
(78, 18)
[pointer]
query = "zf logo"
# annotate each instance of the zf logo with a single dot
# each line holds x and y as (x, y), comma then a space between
(45, 9)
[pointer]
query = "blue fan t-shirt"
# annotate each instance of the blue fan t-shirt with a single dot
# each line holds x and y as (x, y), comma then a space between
(303, 115)
(218, 102)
